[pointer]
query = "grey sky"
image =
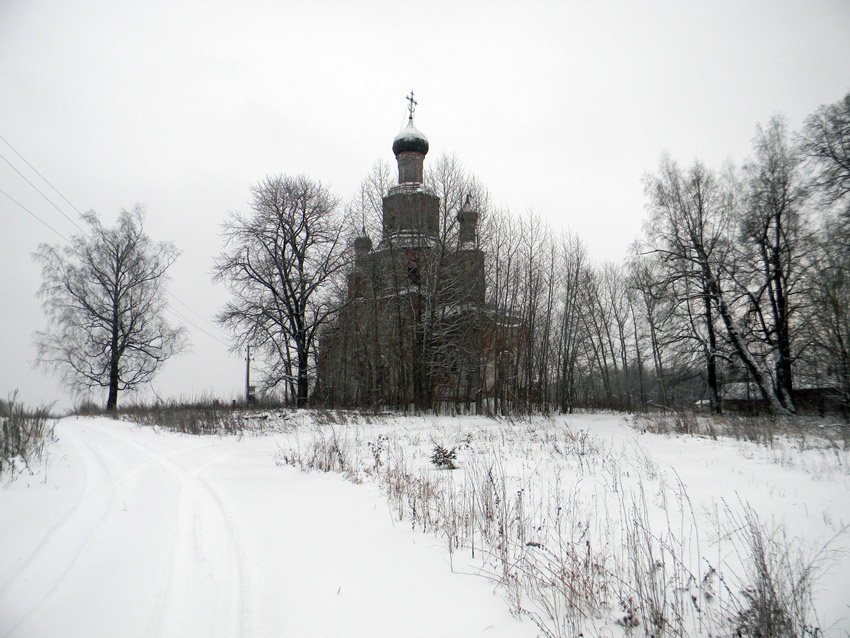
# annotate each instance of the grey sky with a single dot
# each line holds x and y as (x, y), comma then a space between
(559, 107)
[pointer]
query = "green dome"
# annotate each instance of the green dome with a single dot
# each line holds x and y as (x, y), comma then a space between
(410, 139)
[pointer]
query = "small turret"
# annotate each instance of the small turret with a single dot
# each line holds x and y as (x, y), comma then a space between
(468, 220)
(362, 244)
(357, 276)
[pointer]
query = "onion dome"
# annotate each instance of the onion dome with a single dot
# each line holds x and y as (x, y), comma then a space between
(362, 244)
(410, 139)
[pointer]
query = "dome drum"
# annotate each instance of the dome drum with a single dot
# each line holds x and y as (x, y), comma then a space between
(411, 167)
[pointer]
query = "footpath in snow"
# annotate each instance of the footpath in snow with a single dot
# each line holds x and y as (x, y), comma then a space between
(133, 532)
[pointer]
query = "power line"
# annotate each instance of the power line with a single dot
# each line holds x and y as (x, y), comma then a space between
(34, 215)
(183, 317)
(179, 315)
(49, 201)
(190, 309)
(35, 170)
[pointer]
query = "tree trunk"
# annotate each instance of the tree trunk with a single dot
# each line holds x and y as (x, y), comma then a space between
(112, 400)
(114, 356)
(762, 380)
(784, 380)
(303, 366)
(711, 356)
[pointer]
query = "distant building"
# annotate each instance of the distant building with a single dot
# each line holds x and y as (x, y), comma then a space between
(414, 329)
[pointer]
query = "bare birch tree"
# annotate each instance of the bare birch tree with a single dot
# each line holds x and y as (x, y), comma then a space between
(653, 304)
(104, 295)
(826, 146)
(572, 268)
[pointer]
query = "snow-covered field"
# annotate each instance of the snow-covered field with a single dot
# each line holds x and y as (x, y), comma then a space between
(578, 522)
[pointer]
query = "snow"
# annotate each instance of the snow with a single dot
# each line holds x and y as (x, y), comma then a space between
(410, 132)
(134, 531)
(634, 500)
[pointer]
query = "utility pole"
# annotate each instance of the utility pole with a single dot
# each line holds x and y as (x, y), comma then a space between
(249, 389)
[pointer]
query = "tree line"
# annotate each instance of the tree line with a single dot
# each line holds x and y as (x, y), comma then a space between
(738, 288)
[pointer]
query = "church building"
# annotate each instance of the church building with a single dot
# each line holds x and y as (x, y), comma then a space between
(412, 331)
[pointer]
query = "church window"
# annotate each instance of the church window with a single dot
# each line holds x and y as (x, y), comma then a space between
(413, 274)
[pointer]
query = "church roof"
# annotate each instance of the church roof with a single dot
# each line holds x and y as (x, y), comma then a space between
(410, 139)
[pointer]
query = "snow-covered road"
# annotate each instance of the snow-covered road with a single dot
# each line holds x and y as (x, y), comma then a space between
(133, 532)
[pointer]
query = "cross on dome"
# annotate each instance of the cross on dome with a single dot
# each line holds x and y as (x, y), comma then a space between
(411, 107)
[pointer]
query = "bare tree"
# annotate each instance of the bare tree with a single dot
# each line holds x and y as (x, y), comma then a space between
(104, 297)
(354, 369)
(829, 315)
(364, 210)
(509, 340)
(277, 263)
(654, 307)
(691, 215)
(773, 245)
(572, 269)
(687, 229)
(826, 143)
(533, 240)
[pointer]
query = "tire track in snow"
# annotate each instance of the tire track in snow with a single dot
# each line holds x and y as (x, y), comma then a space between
(25, 590)
(22, 563)
(58, 531)
(195, 579)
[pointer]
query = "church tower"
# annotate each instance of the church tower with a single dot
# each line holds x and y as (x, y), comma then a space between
(411, 214)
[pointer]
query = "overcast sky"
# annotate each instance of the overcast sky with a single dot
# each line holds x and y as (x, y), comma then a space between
(559, 107)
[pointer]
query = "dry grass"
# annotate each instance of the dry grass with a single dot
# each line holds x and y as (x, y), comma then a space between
(199, 416)
(576, 564)
(24, 433)
(772, 594)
